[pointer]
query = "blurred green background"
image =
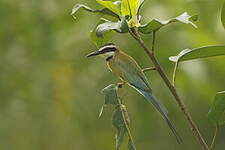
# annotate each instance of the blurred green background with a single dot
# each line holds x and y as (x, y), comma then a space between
(50, 93)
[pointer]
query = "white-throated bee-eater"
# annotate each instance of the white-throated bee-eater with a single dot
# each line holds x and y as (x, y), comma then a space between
(127, 69)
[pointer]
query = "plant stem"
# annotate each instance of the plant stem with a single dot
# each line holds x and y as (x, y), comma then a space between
(135, 34)
(148, 69)
(153, 41)
(174, 73)
(214, 137)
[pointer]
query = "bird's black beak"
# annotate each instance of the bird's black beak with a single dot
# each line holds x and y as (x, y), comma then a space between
(96, 53)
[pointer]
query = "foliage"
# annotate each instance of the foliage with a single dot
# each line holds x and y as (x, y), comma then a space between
(49, 90)
(120, 118)
(218, 109)
(129, 20)
(202, 52)
(155, 24)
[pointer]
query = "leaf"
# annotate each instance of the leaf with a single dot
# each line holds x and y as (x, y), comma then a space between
(86, 8)
(139, 9)
(217, 109)
(223, 15)
(110, 93)
(202, 52)
(130, 145)
(113, 6)
(111, 97)
(130, 7)
(118, 121)
(100, 40)
(120, 26)
(155, 24)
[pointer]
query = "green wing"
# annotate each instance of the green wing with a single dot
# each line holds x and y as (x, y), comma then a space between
(132, 72)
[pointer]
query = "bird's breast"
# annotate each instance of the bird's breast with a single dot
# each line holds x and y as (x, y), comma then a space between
(116, 68)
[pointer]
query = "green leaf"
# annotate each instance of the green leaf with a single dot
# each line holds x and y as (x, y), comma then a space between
(130, 7)
(86, 8)
(118, 121)
(223, 15)
(139, 8)
(130, 145)
(202, 52)
(101, 40)
(110, 93)
(113, 6)
(120, 26)
(217, 109)
(111, 97)
(155, 24)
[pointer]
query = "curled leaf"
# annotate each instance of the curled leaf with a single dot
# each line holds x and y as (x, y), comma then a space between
(100, 40)
(202, 52)
(155, 24)
(104, 11)
(217, 109)
(119, 26)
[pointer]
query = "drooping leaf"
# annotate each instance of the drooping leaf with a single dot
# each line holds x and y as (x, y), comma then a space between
(223, 15)
(111, 97)
(113, 6)
(120, 117)
(155, 24)
(104, 11)
(119, 26)
(101, 40)
(110, 93)
(118, 123)
(130, 7)
(202, 52)
(217, 109)
(130, 145)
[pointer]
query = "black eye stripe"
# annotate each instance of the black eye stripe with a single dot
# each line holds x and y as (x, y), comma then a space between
(108, 49)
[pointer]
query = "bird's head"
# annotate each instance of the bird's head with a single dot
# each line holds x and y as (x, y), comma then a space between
(106, 51)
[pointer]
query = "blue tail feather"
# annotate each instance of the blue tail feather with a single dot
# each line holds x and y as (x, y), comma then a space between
(161, 109)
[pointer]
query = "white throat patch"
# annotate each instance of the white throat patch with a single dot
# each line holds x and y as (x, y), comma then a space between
(109, 54)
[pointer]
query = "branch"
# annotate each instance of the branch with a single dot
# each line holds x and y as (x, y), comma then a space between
(214, 137)
(194, 128)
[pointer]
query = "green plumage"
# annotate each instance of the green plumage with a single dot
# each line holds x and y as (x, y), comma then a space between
(126, 68)
(130, 72)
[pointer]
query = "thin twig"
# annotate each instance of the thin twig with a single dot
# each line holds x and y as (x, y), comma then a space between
(214, 137)
(135, 34)
(153, 41)
(174, 73)
(148, 69)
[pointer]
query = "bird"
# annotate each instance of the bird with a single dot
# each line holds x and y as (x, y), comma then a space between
(129, 72)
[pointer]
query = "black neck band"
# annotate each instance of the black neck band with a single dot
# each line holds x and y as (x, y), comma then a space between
(108, 58)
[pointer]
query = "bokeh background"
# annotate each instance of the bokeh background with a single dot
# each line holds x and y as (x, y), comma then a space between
(50, 93)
